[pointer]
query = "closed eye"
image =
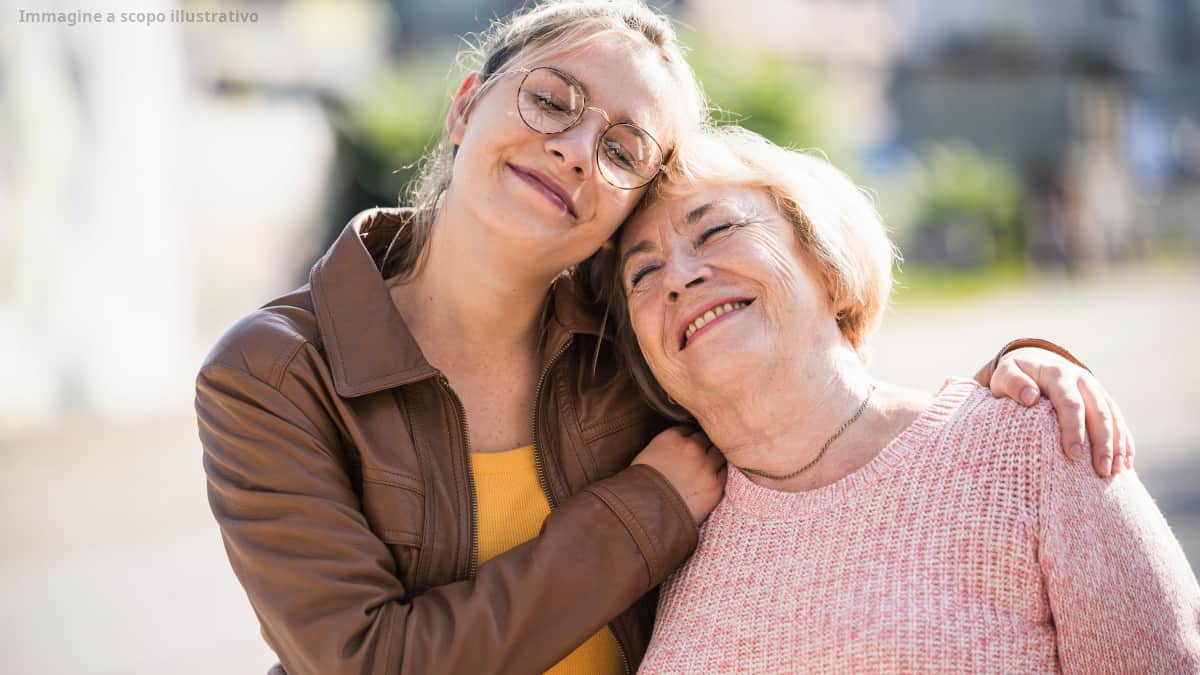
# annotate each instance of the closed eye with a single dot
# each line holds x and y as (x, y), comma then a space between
(618, 154)
(640, 273)
(547, 103)
(713, 231)
(718, 229)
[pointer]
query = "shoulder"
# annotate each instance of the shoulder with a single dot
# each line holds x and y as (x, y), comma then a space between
(266, 375)
(264, 343)
(994, 437)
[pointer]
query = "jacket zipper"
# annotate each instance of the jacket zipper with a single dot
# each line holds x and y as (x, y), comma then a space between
(621, 649)
(473, 560)
(541, 474)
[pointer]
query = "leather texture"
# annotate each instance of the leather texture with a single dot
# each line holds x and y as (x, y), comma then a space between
(338, 473)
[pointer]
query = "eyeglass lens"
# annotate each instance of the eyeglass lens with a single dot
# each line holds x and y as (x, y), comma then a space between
(627, 156)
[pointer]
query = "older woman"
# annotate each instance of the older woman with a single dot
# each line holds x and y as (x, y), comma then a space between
(866, 526)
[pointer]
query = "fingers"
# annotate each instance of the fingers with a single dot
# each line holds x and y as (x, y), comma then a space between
(1100, 425)
(1124, 460)
(1118, 463)
(682, 430)
(1064, 394)
(1009, 381)
(1130, 446)
(696, 441)
(688, 435)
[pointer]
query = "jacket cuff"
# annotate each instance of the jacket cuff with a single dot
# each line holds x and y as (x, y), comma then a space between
(655, 516)
(1036, 343)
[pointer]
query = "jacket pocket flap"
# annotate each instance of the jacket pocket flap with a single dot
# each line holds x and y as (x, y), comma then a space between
(395, 506)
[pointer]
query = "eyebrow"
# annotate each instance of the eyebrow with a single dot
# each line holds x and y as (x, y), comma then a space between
(698, 212)
(642, 246)
(586, 94)
(587, 97)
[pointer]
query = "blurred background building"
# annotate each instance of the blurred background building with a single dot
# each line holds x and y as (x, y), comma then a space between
(1039, 163)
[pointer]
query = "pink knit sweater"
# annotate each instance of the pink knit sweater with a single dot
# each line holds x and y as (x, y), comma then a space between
(969, 544)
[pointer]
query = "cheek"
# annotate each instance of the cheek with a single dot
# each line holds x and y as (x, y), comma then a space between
(613, 205)
(643, 327)
(648, 329)
(777, 269)
(773, 263)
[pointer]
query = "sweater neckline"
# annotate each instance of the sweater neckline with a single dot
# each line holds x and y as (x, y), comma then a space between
(765, 503)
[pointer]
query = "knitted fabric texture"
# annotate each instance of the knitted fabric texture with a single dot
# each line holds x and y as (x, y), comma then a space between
(969, 544)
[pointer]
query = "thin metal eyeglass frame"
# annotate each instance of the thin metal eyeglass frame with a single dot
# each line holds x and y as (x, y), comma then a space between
(603, 113)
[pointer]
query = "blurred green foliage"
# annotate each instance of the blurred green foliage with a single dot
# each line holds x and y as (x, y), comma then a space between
(967, 208)
(942, 283)
(952, 205)
(383, 136)
(764, 92)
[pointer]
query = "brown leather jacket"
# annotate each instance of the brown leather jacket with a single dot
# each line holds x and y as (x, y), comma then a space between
(337, 462)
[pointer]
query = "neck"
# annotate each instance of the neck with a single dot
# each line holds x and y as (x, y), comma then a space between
(466, 300)
(778, 423)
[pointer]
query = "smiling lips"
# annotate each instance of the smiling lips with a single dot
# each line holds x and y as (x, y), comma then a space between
(549, 189)
(709, 317)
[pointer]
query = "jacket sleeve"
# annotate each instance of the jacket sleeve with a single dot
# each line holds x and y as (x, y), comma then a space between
(1122, 594)
(326, 588)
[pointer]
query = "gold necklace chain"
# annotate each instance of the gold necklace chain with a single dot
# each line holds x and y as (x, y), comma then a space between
(845, 425)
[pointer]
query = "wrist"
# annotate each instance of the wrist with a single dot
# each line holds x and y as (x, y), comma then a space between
(1035, 343)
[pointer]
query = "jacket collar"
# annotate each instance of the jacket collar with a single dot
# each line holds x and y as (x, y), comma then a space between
(366, 340)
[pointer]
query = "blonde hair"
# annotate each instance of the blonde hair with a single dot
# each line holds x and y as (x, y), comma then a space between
(834, 220)
(550, 27)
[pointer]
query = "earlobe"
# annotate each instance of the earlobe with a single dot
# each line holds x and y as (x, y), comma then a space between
(460, 108)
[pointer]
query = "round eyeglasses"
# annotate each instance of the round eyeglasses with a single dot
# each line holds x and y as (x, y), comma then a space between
(551, 102)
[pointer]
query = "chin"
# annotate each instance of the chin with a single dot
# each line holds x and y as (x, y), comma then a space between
(716, 376)
(729, 363)
(520, 230)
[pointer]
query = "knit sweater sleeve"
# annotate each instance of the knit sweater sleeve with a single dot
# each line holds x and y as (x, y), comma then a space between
(1122, 594)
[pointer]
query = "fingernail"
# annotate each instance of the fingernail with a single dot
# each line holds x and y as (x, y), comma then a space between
(1077, 451)
(1029, 395)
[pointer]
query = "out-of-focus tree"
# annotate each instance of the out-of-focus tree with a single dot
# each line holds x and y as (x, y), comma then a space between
(965, 209)
(382, 137)
(764, 92)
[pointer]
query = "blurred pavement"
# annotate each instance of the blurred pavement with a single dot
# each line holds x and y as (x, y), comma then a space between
(113, 564)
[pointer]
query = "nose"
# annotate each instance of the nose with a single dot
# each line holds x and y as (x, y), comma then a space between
(682, 271)
(574, 147)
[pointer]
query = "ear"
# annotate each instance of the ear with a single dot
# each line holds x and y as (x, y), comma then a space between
(460, 108)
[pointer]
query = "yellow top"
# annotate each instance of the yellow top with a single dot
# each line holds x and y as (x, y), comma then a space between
(512, 507)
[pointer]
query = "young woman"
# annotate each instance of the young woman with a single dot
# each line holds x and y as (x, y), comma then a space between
(421, 460)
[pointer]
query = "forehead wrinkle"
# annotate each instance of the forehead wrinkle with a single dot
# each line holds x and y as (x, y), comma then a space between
(695, 215)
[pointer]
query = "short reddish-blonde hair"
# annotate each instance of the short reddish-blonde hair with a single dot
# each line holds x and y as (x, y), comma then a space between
(834, 220)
